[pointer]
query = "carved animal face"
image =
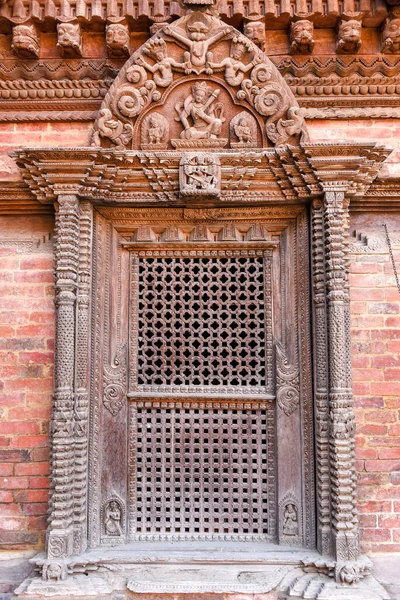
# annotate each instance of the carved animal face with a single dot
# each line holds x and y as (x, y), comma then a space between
(350, 31)
(302, 32)
(255, 31)
(392, 31)
(198, 31)
(24, 37)
(68, 34)
(117, 36)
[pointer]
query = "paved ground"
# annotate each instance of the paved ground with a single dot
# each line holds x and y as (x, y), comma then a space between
(14, 567)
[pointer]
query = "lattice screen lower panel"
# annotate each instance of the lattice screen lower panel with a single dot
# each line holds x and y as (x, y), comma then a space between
(200, 473)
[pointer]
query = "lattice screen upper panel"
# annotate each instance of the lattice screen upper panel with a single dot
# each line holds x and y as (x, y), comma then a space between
(203, 324)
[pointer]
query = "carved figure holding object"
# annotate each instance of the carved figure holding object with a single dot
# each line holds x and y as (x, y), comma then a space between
(290, 520)
(391, 37)
(69, 41)
(349, 37)
(156, 131)
(200, 109)
(112, 521)
(117, 39)
(242, 130)
(117, 132)
(156, 49)
(200, 173)
(234, 67)
(301, 37)
(25, 41)
(255, 31)
(198, 58)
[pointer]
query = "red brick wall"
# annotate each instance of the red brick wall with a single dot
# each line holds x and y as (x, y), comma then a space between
(26, 378)
(375, 306)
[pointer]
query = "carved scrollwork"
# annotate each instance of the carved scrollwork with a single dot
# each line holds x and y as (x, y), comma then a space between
(287, 375)
(114, 391)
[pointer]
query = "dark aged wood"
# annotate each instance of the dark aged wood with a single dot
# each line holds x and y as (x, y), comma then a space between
(184, 408)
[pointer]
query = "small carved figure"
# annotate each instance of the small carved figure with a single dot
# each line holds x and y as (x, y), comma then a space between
(290, 520)
(113, 518)
(69, 41)
(255, 31)
(301, 37)
(391, 37)
(207, 118)
(117, 39)
(349, 37)
(242, 130)
(25, 41)
(162, 69)
(117, 132)
(199, 175)
(198, 58)
(54, 572)
(234, 67)
(154, 132)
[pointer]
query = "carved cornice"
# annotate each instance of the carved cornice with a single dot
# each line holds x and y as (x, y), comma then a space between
(126, 177)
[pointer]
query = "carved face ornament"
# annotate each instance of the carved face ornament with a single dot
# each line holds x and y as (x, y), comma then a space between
(254, 31)
(198, 31)
(68, 35)
(350, 31)
(117, 35)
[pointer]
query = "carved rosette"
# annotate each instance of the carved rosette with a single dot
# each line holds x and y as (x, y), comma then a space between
(187, 48)
(287, 383)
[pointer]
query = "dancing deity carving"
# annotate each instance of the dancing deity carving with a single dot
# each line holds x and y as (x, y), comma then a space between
(117, 40)
(25, 41)
(235, 69)
(243, 131)
(301, 37)
(156, 49)
(69, 40)
(391, 37)
(349, 37)
(255, 31)
(200, 117)
(199, 175)
(113, 518)
(290, 520)
(198, 58)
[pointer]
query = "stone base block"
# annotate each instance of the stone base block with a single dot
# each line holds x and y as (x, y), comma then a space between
(74, 586)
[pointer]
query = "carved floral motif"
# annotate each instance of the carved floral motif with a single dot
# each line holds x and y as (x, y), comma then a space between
(287, 375)
(114, 392)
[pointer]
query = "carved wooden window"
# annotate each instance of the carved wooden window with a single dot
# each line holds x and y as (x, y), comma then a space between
(202, 471)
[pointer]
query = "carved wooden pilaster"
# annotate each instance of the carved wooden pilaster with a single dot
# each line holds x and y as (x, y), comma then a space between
(82, 377)
(321, 380)
(341, 413)
(60, 534)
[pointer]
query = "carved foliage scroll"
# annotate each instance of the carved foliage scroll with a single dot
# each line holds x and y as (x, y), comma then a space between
(114, 392)
(187, 48)
(287, 376)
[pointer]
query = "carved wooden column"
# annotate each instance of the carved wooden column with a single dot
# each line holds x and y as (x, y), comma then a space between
(321, 402)
(341, 413)
(61, 521)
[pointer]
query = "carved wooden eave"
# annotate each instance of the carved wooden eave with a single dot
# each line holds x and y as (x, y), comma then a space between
(288, 174)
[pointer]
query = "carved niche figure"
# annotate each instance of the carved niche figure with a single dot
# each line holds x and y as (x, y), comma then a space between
(199, 108)
(113, 518)
(301, 37)
(154, 132)
(349, 37)
(243, 127)
(255, 31)
(117, 132)
(233, 65)
(199, 174)
(25, 41)
(391, 37)
(290, 520)
(117, 40)
(156, 49)
(69, 40)
(198, 58)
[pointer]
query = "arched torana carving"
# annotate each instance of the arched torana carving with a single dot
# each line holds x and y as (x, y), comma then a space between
(199, 74)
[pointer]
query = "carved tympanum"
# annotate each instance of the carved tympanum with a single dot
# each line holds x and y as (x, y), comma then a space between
(69, 40)
(301, 37)
(391, 37)
(117, 40)
(25, 41)
(199, 45)
(349, 37)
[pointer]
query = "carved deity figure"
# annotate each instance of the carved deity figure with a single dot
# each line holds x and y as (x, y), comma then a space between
(69, 41)
(25, 41)
(156, 49)
(198, 58)
(156, 131)
(199, 108)
(233, 65)
(112, 519)
(301, 37)
(117, 40)
(255, 31)
(349, 37)
(201, 173)
(391, 37)
(290, 520)
(242, 130)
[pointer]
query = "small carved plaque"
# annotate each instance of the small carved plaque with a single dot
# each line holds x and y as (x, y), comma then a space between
(199, 175)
